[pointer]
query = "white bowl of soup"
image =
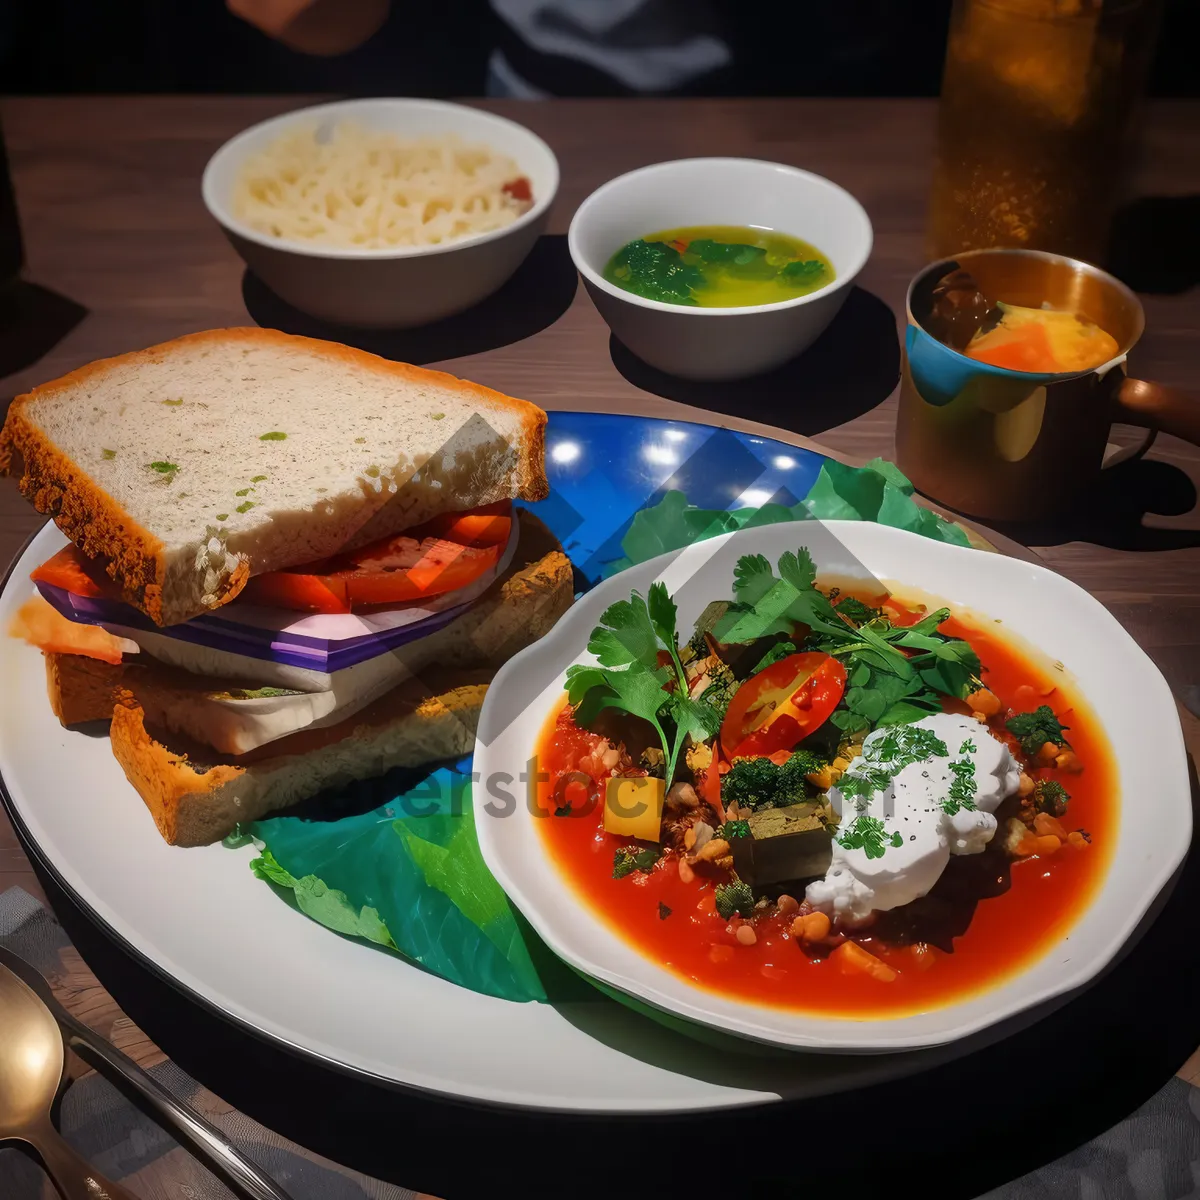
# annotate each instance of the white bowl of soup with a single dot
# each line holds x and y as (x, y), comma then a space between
(719, 268)
(385, 213)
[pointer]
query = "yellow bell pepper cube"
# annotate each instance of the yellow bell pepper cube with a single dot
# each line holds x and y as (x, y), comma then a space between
(633, 807)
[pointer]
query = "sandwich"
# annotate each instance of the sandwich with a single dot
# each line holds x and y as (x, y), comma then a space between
(291, 564)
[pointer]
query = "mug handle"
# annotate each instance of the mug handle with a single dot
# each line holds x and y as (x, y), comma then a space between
(1155, 408)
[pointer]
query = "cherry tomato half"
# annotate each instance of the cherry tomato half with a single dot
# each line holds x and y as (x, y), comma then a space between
(778, 707)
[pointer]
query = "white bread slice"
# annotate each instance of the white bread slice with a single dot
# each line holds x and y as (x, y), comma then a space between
(521, 606)
(171, 464)
(199, 799)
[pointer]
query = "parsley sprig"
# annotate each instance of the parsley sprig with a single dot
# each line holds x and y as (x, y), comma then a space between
(630, 643)
(895, 674)
(885, 756)
(628, 859)
(962, 788)
(1034, 729)
(869, 835)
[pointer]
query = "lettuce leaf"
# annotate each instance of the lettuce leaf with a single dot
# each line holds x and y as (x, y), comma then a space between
(395, 861)
(324, 904)
(877, 492)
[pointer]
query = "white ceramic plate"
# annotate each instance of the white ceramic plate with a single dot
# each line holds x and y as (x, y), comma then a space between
(200, 919)
(1125, 689)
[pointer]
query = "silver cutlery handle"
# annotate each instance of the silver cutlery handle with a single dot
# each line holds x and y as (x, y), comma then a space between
(74, 1177)
(224, 1159)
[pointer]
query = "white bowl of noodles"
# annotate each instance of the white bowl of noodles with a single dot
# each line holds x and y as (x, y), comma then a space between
(384, 213)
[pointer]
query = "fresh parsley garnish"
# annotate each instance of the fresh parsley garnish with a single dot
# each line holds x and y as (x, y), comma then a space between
(243, 491)
(629, 859)
(895, 674)
(257, 478)
(163, 468)
(759, 783)
(968, 747)
(222, 516)
(869, 835)
(245, 506)
(777, 653)
(663, 911)
(1049, 796)
(735, 897)
(856, 610)
(886, 755)
(173, 403)
(733, 829)
(962, 788)
(274, 436)
(1034, 729)
(108, 455)
(629, 643)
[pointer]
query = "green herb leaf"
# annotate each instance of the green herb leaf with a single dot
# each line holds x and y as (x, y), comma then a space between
(628, 859)
(163, 468)
(274, 436)
(735, 897)
(868, 835)
(733, 829)
(1034, 729)
(245, 506)
(777, 653)
(257, 478)
(244, 491)
(1049, 796)
(173, 403)
(222, 516)
(108, 455)
(962, 788)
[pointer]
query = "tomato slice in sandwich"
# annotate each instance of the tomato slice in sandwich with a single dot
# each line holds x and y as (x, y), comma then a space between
(443, 555)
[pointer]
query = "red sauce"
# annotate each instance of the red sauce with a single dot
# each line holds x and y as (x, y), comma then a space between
(991, 917)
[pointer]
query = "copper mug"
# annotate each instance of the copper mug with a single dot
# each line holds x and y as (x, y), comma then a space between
(1010, 445)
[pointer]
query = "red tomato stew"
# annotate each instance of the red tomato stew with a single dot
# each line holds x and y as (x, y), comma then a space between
(747, 850)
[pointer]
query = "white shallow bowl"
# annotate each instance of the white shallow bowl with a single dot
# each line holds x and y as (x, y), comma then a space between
(402, 287)
(1128, 695)
(719, 343)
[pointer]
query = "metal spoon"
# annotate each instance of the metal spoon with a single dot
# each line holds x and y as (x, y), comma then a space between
(31, 1069)
(221, 1156)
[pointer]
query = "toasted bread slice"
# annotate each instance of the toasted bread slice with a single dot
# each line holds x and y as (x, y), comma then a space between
(188, 467)
(197, 798)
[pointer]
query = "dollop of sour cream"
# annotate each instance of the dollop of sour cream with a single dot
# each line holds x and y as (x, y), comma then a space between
(894, 842)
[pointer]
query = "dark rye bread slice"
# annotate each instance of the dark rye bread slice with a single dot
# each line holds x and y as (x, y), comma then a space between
(192, 465)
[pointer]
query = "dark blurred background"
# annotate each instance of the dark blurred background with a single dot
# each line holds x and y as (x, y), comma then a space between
(793, 47)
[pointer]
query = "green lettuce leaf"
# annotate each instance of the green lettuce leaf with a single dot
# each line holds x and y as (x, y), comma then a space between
(877, 492)
(324, 904)
(395, 861)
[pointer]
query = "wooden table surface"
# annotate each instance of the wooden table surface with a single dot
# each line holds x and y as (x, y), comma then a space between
(108, 190)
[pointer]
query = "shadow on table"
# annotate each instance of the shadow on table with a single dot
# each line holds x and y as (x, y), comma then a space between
(852, 367)
(1106, 1059)
(1111, 513)
(533, 299)
(33, 320)
(1154, 247)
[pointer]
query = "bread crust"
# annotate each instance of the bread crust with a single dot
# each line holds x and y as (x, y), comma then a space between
(194, 804)
(92, 519)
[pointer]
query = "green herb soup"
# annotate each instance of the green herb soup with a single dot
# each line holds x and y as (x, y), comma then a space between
(719, 266)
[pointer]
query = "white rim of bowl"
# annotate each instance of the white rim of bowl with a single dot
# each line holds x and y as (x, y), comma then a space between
(235, 146)
(594, 277)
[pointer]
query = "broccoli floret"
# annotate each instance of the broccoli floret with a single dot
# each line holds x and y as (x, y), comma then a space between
(735, 897)
(758, 783)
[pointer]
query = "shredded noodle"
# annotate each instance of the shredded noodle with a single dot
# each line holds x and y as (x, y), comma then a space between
(359, 188)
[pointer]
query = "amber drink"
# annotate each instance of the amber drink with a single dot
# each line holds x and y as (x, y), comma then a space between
(1034, 122)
